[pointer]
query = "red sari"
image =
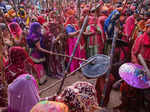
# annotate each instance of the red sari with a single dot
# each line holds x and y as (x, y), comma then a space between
(15, 66)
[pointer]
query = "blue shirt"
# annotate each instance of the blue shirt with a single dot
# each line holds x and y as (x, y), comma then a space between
(110, 23)
(70, 29)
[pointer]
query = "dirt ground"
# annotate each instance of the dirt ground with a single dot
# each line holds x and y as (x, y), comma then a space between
(114, 98)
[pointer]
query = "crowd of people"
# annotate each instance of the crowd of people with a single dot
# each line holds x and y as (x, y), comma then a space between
(36, 44)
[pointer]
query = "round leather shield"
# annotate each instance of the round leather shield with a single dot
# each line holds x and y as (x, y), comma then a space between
(96, 68)
(134, 75)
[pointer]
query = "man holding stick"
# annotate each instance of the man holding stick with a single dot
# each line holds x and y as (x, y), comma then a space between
(131, 97)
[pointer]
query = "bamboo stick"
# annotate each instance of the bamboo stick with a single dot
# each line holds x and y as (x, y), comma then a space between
(58, 54)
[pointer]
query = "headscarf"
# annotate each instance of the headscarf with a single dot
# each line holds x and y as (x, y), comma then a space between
(34, 34)
(80, 97)
(50, 106)
(15, 29)
(16, 63)
(35, 28)
(70, 12)
(21, 13)
(22, 94)
(110, 23)
(108, 20)
(41, 20)
(11, 13)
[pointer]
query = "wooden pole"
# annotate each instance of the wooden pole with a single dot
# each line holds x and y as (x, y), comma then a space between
(110, 66)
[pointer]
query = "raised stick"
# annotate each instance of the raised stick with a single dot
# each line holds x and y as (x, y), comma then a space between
(110, 66)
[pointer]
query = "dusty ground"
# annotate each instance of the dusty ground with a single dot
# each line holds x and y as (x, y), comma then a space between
(114, 100)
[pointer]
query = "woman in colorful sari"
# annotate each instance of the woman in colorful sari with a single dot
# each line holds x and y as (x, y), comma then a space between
(95, 41)
(110, 23)
(17, 64)
(22, 94)
(72, 32)
(35, 43)
(54, 41)
(17, 34)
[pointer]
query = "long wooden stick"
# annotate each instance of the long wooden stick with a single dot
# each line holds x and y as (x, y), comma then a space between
(68, 75)
(110, 66)
(58, 54)
(73, 53)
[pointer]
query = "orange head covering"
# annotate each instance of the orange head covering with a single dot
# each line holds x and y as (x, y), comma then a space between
(70, 20)
(70, 12)
(11, 13)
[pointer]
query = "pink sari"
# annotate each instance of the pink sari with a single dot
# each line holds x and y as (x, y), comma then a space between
(71, 43)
